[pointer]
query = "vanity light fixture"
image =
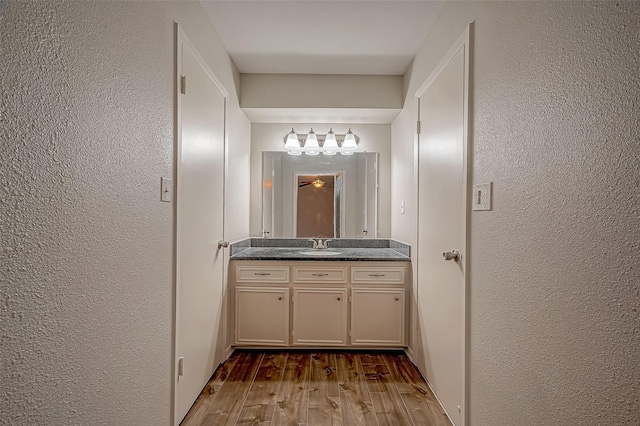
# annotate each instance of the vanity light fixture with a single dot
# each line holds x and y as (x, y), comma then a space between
(329, 144)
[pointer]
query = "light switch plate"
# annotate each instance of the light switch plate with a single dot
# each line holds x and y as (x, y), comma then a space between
(165, 189)
(482, 196)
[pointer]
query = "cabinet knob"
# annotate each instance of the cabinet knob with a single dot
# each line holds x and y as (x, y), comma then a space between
(397, 299)
(280, 298)
(339, 298)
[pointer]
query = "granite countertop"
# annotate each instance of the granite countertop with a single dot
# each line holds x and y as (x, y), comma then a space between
(347, 249)
(295, 253)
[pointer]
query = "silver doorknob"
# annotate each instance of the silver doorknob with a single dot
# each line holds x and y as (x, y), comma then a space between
(451, 255)
(223, 244)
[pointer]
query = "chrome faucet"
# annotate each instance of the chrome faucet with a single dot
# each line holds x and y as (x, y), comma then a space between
(319, 245)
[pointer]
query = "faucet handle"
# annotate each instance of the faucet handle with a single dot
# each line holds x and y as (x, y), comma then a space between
(315, 244)
(326, 243)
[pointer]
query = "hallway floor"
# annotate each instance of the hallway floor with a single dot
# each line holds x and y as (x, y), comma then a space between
(308, 388)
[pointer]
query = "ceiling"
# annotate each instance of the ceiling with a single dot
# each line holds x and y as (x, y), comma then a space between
(322, 37)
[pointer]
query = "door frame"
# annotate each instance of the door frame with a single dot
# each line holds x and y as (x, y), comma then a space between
(181, 40)
(463, 41)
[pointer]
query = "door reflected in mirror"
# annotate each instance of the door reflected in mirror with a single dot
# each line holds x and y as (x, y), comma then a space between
(318, 206)
(319, 197)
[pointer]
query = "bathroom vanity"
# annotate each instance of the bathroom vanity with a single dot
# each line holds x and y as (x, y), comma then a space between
(284, 294)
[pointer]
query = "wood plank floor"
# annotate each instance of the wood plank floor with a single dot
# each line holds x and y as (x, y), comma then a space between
(307, 388)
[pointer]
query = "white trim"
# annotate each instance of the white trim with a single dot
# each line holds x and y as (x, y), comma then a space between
(463, 42)
(375, 210)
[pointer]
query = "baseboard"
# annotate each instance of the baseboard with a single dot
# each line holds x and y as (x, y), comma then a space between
(409, 354)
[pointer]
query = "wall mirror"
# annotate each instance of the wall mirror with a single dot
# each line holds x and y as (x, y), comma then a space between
(319, 196)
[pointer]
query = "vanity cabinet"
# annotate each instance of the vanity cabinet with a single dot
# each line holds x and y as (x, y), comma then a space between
(377, 316)
(320, 316)
(262, 316)
(377, 305)
(318, 304)
(262, 301)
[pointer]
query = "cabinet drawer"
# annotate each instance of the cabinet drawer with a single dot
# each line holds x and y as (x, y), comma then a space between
(262, 274)
(377, 274)
(321, 274)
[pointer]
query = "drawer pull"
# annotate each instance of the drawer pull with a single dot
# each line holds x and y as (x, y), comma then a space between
(262, 273)
(376, 275)
(319, 275)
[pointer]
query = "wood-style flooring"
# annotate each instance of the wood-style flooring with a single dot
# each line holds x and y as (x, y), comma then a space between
(316, 388)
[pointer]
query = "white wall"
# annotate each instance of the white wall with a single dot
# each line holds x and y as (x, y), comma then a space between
(555, 267)
(86, 253)
(321, 91)
(373, 138)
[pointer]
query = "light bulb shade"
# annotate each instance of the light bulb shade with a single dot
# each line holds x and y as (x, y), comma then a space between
(312, 141)
(330, 142)
(292, 141)
(349, 142)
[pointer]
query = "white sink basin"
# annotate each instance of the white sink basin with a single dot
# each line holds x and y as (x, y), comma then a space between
(319, 253)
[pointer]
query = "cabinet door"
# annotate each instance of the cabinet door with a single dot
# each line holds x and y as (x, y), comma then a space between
(377, 317)
(320, 316)
(262, 316)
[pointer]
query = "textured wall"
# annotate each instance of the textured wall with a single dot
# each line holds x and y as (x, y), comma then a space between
(555, 267)
(86, 251)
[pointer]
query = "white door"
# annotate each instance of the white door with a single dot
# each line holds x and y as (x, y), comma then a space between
(442, 219)
(199, 226)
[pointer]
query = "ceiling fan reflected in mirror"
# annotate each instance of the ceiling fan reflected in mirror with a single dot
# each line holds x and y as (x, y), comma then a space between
(317, 183)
